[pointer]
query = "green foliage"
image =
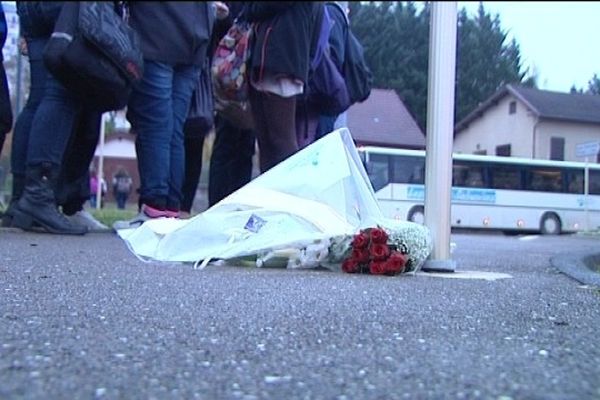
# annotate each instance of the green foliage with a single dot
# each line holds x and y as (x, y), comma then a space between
(109, 214)
(594, 85)
(395, 36)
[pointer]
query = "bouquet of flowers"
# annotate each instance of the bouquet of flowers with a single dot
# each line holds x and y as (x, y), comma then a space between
(394, 248)
(373, 252)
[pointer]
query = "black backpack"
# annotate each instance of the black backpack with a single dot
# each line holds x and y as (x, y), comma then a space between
(95, 54)
(358, 75)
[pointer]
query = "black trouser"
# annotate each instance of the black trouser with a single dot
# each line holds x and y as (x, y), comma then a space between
(231, 160)
(275, 123)
(193, 144)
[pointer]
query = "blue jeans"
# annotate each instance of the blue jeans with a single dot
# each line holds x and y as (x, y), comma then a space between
(157, 110)
(121, 198)
(38, 74)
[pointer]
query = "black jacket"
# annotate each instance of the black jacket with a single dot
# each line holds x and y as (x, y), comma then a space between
(173, 32)
(337, 36)
(286, 37)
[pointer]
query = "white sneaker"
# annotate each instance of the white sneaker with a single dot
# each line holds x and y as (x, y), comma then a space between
(86, 219)
(144, 215)
(134, 222)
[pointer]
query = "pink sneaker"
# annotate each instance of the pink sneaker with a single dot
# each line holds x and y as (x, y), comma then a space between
(146, 214)
(154, 212)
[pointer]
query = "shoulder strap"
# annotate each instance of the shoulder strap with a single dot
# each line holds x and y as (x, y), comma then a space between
(340, 9)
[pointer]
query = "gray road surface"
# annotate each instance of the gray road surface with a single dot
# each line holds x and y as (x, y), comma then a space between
(82, 318)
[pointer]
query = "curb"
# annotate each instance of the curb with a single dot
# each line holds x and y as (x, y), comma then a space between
(578, 267)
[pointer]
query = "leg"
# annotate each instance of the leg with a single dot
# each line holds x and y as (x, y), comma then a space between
(50, 133)
(231, 160)
(275, 119)
(194, 144)
(74, 188)
(184, 83)
(22, 129)
(150, 116)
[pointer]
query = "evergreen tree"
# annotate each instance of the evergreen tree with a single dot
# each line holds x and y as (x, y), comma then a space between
(593, 85)
(484, 62)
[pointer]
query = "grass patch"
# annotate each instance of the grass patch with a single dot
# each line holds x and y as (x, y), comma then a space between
(108, 215)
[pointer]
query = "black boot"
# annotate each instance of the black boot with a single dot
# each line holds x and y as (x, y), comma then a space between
(37, 205)
(17, 190)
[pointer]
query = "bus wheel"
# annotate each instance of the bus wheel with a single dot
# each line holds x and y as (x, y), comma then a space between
(550, 224)
(416, 215)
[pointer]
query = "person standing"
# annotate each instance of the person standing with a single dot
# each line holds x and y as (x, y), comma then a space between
(285, 40)
(159, 104)
(93, 190)
(49, 161)
(6, 116)
(337, 46)
(122, 185)
(233, 146)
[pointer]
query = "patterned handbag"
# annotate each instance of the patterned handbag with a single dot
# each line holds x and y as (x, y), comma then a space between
(230, 63)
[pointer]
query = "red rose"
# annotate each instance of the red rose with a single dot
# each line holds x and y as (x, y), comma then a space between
(360, 241)
(360, 255)
(396, 262)
(377, 267)
(378, 235)
(350, 265)
(379, 252)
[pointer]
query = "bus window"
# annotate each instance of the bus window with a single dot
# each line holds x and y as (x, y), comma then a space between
(474, 177)
(505, 177)
(378, 170)
(543, 179)
(594, 185)
(574, 179)
(408, 169)
(459, 175)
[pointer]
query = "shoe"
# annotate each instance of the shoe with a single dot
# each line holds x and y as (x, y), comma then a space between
(146, 214)
(173, 214)
(84, 218)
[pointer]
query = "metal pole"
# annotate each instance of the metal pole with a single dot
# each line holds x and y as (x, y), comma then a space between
(586, 192)
(440, 128)
(100, 171)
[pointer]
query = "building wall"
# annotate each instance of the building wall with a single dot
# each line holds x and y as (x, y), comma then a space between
(574, 134)
(498, 127)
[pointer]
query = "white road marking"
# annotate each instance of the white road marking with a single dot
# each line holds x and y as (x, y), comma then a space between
(488, 276)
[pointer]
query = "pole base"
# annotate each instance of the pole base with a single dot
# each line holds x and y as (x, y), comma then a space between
(439, 266)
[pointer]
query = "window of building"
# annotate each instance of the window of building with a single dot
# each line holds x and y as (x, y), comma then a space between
(512, 107)
(557, 148)
(503, 150)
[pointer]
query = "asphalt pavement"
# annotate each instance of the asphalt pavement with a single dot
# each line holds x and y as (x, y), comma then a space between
(83, 318)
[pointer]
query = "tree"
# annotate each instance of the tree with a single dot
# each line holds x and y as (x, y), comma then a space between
(593, 85)
(484, 62)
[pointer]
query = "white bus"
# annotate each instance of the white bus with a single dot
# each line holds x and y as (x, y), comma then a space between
(490, 192)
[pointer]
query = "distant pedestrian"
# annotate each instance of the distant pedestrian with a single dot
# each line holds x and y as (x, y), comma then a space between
(122, 187)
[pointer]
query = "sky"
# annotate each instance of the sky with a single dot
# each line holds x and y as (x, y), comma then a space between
(560, 40)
